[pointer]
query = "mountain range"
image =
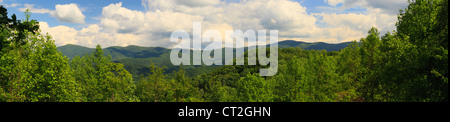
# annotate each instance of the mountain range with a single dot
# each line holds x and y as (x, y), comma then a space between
(136, 59)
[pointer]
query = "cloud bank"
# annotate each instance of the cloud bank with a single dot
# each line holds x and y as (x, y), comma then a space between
(120, 26)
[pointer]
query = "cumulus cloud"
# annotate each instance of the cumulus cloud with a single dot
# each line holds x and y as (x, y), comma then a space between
(32, 9)
(68, 13)
(119, 19)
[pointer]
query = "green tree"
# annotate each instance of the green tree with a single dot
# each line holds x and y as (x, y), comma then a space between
(370, 59)
(103, 80)
(253, 88)
(17, 29)
(31, 68)
(155, 87)
(417, 55)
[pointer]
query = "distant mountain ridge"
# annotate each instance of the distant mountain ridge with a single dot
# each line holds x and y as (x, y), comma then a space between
(133, 51)
(313, 46)
(136, 59)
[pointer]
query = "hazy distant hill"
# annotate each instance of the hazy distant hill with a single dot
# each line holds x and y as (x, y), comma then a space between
(136, 59)
(147, 52)
(71, 50)
(313, 46)
(116, 52)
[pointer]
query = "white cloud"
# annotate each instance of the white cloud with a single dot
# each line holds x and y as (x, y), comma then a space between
(197, 3)
(381, 14)
(387, 6)
(119, 19)
(164, 5)
(68, 13)
(359, 22)
(31, 8)
(351, 26)
(333, 2)
(61, 34)
(158, 4)
(13, 5)
(89, 36)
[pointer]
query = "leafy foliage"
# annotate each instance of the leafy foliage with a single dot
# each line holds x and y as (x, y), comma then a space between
(103, 80)
(31, 68)
(410, 65)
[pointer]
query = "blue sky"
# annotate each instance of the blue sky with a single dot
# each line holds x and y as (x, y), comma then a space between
(149, 22)
(90, 8)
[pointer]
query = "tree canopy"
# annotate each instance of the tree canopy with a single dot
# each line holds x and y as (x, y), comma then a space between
(406, 65)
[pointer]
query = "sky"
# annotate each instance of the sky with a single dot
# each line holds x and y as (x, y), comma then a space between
(150, 22)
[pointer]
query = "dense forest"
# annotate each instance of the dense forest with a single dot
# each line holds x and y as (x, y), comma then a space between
(406, 65)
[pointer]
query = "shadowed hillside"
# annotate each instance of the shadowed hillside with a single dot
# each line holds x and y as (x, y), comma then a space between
(313, 46)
